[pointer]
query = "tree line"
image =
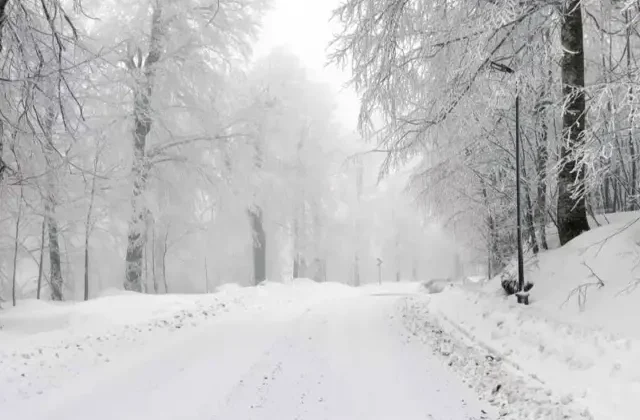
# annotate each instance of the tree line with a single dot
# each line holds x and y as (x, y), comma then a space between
(142, 146)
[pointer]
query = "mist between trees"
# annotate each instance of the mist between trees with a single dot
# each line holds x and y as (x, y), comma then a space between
(141, 147)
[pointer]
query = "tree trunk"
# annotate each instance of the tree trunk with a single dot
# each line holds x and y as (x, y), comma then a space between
(41, 262)
(606, 200)
(54, 254)
(533, 240)
(616, 195)
(86, 266)
(15, 247)
(136, 236)
(55, 279)
(542, 159)
(153, 259)
(140, 170)
(88, 227)
(320, 256)
(529, 218)
(632, 142)
(3, 16)
(165, 249)
(299, 262)
(259, 245)
(572, 214)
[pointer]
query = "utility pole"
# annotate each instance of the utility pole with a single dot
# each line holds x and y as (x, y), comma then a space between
(522, 295)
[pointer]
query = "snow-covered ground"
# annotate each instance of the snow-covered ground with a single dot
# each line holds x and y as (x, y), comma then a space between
(575, 348)
(327, 351)
(305, 351)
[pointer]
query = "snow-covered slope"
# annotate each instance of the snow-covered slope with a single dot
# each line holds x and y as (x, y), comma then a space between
(579, 338)
(567, 279)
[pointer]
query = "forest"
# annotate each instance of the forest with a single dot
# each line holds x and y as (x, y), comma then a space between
(144, 146)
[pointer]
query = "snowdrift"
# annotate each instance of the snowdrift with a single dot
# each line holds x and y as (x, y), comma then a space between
(43, 344)
(593, 279)
(580, 337)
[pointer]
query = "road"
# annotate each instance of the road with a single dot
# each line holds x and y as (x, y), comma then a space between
(349, 358)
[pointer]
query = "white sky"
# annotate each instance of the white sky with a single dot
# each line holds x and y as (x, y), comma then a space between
(303, 27)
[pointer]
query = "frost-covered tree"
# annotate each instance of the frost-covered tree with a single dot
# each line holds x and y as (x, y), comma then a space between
(426, 75)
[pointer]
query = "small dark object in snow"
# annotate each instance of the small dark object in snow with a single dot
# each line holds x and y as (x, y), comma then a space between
(510, 285)
(496, 389)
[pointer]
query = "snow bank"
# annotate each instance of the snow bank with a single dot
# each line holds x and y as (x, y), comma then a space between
(578, 341)
(567, 279)
(595, 369)
(43, 344)
(516, 393)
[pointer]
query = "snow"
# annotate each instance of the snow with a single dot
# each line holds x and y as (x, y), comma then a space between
(301, 350)
(579, 359)
(612, 252)
(438, 349)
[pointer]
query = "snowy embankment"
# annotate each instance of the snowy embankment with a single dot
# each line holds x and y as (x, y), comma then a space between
(575, 351)
(44, 345)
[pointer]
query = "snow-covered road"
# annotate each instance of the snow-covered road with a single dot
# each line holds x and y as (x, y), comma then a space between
(344, 358)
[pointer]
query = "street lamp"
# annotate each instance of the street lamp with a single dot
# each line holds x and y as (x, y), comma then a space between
(522, 295)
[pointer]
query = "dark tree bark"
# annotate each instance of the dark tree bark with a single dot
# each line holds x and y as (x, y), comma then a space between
(533, 240)
(542, 158)
(572, 213)
(633, 188)
(614, 195)
(3, 17)
(606, 200)
(529, 217)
